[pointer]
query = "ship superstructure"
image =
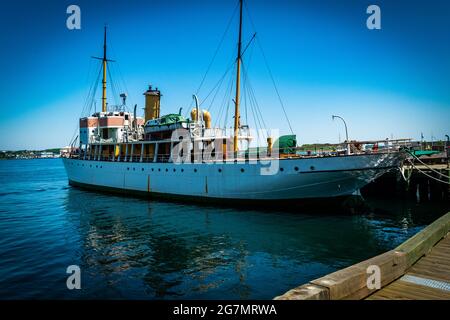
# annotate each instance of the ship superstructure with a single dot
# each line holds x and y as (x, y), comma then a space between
(176, 156)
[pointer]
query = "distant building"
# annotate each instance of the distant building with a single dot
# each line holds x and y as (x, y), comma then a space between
(46, 154)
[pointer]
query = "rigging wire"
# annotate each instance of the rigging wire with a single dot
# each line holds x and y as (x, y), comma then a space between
(217, 49)
(268, 69)
(226, 98)
(88, 102)
(213, 59)
(116, 67)
(218, 83)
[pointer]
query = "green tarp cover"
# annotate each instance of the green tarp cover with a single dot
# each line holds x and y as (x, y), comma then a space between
(171, 119)
(286, 143)
(419, 153)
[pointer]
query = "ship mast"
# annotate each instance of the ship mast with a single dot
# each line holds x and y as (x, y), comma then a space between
(238, 82)
(104, 73)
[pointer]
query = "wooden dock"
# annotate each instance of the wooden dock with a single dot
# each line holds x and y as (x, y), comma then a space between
(429, 278)
(418, 269)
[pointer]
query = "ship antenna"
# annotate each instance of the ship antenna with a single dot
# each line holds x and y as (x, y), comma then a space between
(238, 80)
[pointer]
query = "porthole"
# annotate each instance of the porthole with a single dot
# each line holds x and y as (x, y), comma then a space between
(281, 169)
(134, 169)
(296, 168)
(242, 170)
(174, 170)
(153, 169)
(167, 170)
(159, 169)
(312, 167)
(182, 170)
(128, 168)
(220, 170)
(195, 170)
(142, 169)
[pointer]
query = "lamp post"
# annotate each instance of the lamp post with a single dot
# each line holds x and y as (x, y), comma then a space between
(346, 132)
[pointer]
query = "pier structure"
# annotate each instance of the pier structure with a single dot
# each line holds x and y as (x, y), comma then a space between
(418, 269)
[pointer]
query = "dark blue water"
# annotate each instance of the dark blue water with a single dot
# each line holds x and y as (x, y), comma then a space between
(137, 249)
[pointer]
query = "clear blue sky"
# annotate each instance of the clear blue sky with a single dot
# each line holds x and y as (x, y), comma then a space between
(389, 82)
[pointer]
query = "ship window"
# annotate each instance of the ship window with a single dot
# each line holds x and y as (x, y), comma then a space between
(182, 170)
(195, 170)
(174, 170)
(153, 169)
(128, 168)
(281, 169)
(134, 169)
(296, 168)
(126, 117)
(142, 169)
(159, 169)
(220, 170)
(167, 170)
(312, 167)
(242, 170)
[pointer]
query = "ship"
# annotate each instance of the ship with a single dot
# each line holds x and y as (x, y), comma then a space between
(187, 158)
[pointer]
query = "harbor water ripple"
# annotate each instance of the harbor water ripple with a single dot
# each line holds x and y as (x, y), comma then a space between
(131, 248)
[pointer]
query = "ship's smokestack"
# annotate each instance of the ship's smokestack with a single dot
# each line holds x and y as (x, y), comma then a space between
(152, 103)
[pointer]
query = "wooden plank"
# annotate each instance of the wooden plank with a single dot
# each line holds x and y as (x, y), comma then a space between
(306, 292)
(425, 255)
(351, 282)
(405, 290)
(421, 243)
(435, 265)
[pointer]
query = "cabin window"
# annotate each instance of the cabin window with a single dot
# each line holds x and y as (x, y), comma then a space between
(126, 117)
(296, 168)
(281, 169)
(242, 170)
(195, 170)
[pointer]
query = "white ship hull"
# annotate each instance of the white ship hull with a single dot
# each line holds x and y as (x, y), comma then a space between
(300, 178)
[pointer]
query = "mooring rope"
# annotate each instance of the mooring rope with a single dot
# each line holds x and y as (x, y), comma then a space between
(426, 174)
(414, 156)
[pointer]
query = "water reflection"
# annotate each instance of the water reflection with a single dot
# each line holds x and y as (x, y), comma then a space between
(171, 250)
